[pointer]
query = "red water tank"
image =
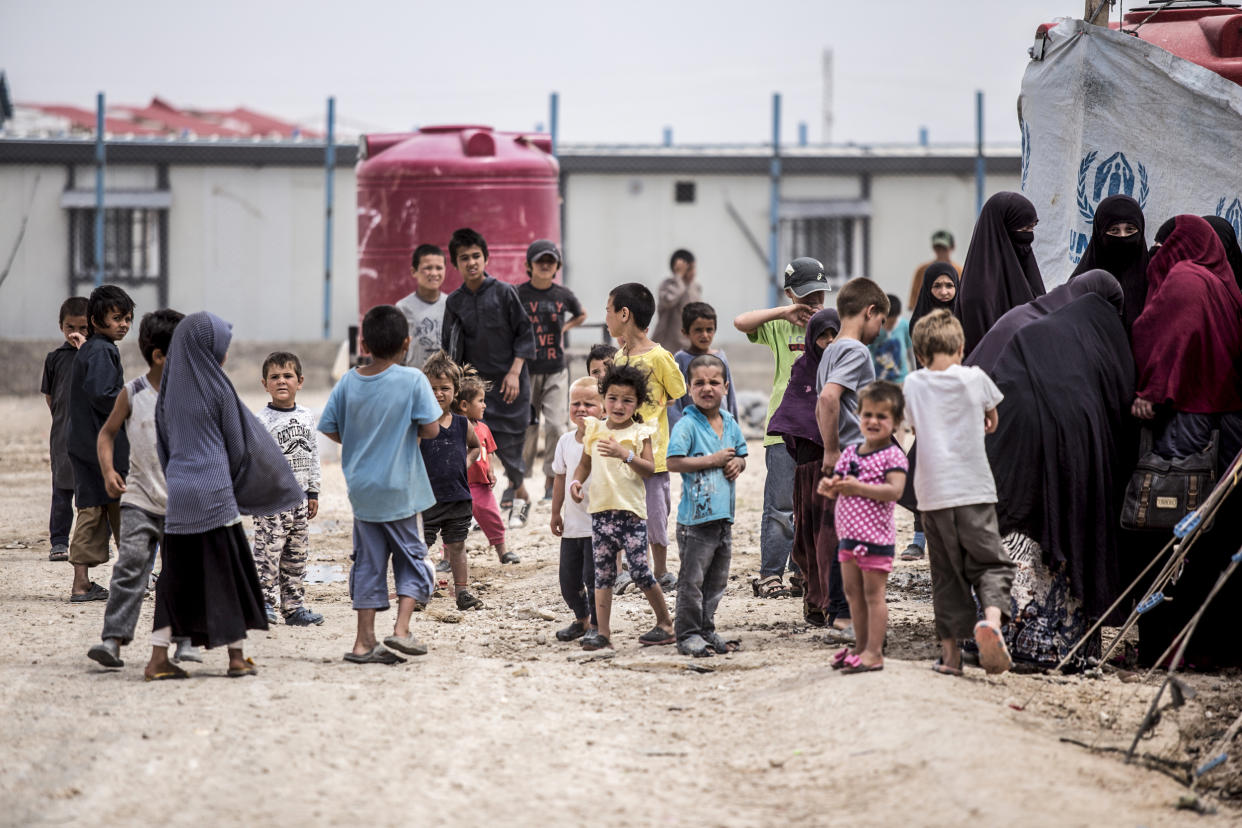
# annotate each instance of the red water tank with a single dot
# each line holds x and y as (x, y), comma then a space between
(418, 187)
(1206, 33)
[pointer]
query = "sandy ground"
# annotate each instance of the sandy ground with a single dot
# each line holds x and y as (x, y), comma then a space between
(501, 723)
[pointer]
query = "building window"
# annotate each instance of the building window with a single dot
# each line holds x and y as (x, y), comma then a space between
(683, 192)
(131, 245)
(832, 240)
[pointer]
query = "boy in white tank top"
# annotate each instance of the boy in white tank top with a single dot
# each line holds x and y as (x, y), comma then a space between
(143, 494)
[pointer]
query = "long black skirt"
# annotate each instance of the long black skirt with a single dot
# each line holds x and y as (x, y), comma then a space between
(208, 589)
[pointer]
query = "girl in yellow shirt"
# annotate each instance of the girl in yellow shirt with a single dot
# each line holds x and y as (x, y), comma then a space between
(617, 456)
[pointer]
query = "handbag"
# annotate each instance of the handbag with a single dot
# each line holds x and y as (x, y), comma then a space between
(1161, 491)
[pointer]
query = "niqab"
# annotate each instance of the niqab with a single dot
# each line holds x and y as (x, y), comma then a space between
(1124, 257)
(1229, 239)
(1000, 272)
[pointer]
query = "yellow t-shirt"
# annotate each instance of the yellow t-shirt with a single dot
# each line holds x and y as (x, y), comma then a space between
(613, 483)
(665, 385)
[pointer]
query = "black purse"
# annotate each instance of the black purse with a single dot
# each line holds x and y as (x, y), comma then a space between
(1161, 492)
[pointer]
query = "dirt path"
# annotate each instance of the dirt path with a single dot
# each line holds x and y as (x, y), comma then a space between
(503, 724)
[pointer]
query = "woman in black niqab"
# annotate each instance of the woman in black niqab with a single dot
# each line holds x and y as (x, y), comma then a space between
(1000, 272)
(1123, 256)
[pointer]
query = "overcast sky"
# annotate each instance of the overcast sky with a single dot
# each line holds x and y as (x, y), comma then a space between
(624, 70)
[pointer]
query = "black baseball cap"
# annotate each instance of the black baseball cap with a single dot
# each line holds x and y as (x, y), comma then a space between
(542, 247)
(805, 275)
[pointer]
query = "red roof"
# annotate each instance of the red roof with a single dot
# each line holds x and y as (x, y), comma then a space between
(162, 118)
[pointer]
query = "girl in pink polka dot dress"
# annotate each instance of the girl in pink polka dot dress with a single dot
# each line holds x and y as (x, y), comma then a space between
(869, 479)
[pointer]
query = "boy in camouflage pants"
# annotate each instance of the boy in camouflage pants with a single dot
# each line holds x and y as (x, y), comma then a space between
(282, 541)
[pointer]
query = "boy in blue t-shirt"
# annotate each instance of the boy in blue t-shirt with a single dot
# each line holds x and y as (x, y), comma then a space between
(377, 413)
(708, 450)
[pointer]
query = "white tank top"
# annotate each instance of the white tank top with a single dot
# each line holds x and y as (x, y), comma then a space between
(145, 486)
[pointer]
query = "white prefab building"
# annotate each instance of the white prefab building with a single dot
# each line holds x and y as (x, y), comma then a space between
(862, 212)
(237, 227)
(234, 227)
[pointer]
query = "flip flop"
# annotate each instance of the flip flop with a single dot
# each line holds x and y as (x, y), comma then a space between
(838, 658)
(164, 675)
(408, 645)
(656, 636)
(249, 670)
(945, 670)
(378, 655)
(853, 664)
(993, 654)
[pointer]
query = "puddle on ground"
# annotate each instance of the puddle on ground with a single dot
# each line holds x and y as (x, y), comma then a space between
(325, 574)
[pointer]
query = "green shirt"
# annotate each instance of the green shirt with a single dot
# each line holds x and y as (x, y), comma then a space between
(787, 342)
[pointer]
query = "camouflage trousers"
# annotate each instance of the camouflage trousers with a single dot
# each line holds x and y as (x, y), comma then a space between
(281, 547)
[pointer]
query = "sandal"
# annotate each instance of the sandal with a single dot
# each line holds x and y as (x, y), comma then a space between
(769, 587)
(945, 670)
(94, 593)
(838, 658)
(594, 641)
(656, 636)
(853, 664)
(993, 654)
(722, 646)
(797, 586)
(466, 601)
(575, 630)
(249, 670)
(378, 655)
(164, 675)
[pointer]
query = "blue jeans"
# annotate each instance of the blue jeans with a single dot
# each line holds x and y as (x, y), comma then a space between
(776, 532)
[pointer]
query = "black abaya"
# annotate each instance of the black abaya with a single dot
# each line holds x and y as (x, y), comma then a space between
(1123, 256)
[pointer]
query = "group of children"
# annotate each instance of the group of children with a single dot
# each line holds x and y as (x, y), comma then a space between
(416, 456)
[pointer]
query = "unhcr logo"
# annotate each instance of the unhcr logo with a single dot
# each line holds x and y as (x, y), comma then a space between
(1231, 213)
(1115, 175)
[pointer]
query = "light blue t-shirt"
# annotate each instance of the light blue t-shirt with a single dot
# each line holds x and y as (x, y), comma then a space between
(378, 418)
(705, 495)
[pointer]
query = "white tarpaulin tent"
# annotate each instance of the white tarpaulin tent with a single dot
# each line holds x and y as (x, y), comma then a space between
(1103, 113)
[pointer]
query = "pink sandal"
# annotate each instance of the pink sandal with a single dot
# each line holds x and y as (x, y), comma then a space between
(853, 664)
(838, 659)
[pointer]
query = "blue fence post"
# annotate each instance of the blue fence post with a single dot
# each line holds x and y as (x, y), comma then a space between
(329, 165)
(554, 118)
(980, 170)
(668, 136)
(774, 206)
(100, 160)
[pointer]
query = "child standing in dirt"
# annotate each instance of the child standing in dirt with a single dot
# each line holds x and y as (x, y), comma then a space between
(219, 464)
(472, 404)
(97, 379)
(144, 494)
(282, 542)
(547, 304)
(577, 566)
(617, 456)
(708, 450)
(378, 413)
(844, 369)
(869, 479)
(783, 330)
(629, 312)
(951, 407)
(56, 385)
(447, 455)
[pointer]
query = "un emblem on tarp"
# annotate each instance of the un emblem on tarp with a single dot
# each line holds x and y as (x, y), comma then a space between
(1115, 175)
(1026, 152)
(1231, 214)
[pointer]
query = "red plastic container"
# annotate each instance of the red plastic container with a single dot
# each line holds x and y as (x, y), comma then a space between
(1201, 32)
(419, 187)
